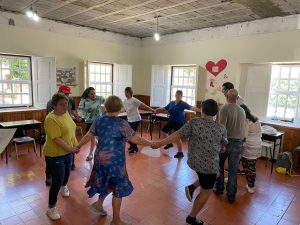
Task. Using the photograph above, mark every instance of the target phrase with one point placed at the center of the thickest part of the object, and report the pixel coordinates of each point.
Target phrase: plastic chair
(268, 146)
(22, 140)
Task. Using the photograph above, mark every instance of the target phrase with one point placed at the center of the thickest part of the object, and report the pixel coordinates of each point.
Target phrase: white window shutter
(160, 86)
(122, 78)
(44, 80)
(257, 88)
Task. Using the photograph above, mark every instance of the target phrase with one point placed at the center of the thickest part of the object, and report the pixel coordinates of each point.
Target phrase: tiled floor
(158, 198)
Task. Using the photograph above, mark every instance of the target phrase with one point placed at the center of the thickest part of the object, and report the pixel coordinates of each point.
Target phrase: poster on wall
(66, 76)
(217, 76)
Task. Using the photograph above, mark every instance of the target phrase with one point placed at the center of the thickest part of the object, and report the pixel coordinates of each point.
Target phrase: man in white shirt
(228, 86)
(131, 106)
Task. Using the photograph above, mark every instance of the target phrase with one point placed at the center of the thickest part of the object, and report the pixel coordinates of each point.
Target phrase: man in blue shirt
(176, 119)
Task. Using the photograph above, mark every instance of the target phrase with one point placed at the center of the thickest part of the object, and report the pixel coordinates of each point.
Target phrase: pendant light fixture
(156, 34)
(33, 14)
(29, 13)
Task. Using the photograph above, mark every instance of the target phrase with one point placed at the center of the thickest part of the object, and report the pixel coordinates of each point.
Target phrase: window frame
(30, 82)
(180, 87)
(95, 83)
(285, 93)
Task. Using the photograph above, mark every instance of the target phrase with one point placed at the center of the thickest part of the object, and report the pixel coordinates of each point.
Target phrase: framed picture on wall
(66, 76)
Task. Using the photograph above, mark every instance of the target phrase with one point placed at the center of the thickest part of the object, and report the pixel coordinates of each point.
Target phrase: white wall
(269, 40)
(68, 44)
(273, 47)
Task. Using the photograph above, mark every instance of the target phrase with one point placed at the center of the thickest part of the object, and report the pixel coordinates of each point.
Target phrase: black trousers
(134, 126)
(48, 173)
(60, 168)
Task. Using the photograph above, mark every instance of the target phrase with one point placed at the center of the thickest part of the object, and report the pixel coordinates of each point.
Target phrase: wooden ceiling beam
(185, 12)
(58, 7)
(118, 11)
(88, 9)
(153, 11)
(29, 5)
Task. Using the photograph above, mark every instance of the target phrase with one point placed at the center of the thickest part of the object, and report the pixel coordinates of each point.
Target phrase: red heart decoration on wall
(216, 68)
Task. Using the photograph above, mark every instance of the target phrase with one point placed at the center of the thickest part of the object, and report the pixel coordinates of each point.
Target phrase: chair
(268, 146)
(22, 140)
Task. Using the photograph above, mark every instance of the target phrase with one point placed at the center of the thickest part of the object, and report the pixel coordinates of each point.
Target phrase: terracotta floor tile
(14, 220)
(158, 197)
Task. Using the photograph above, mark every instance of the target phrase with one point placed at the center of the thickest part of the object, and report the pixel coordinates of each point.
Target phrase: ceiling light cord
(156, 35)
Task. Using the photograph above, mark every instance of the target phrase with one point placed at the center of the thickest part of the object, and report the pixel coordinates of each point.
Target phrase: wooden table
(158, 117)
(142, 113)
(273, 138)
(24, 125)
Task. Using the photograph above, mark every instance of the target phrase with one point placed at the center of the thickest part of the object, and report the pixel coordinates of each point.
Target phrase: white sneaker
(225, 179)
(53, 213)
(250, 189)
(65, 191)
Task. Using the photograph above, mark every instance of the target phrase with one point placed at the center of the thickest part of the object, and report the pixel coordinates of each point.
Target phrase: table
(273, 138)
(123, 115)
(24, 125)
(158, 117)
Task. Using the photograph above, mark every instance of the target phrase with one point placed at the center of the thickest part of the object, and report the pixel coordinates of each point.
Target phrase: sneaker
(250, 189)
(89, 157)
(179, 155)
(189, 191)
(168, 146)
(133, 151)
(53, 213)
(194, 221)
(225, 179)
(95, 208)
(122, 223)
(65, 191)
(48, 181)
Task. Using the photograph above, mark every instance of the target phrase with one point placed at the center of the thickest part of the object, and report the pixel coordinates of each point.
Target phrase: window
(284, 92)
(100, 76)
(15, 81)
(184, 78)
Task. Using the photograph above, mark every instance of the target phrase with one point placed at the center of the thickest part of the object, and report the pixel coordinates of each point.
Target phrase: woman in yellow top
(60, 143)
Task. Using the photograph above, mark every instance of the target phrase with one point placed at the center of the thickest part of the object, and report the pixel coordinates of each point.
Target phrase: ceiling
(138, 17)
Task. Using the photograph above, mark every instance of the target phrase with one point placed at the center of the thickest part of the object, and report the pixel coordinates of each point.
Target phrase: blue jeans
(233, 152)
(60, 168)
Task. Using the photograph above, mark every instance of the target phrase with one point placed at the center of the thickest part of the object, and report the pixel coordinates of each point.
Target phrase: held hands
(75, 149)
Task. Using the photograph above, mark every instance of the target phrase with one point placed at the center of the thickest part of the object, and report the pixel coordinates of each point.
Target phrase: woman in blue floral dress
(109, 174)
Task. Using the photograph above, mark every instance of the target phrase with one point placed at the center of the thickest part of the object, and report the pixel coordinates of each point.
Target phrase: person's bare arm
(161, 110)
(170, 139)
(86, 138)
(143, 105)
(193, 108)
(61, 143)
(136, 139)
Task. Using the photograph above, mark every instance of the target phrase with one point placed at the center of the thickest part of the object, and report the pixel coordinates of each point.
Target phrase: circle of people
(231, 133)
